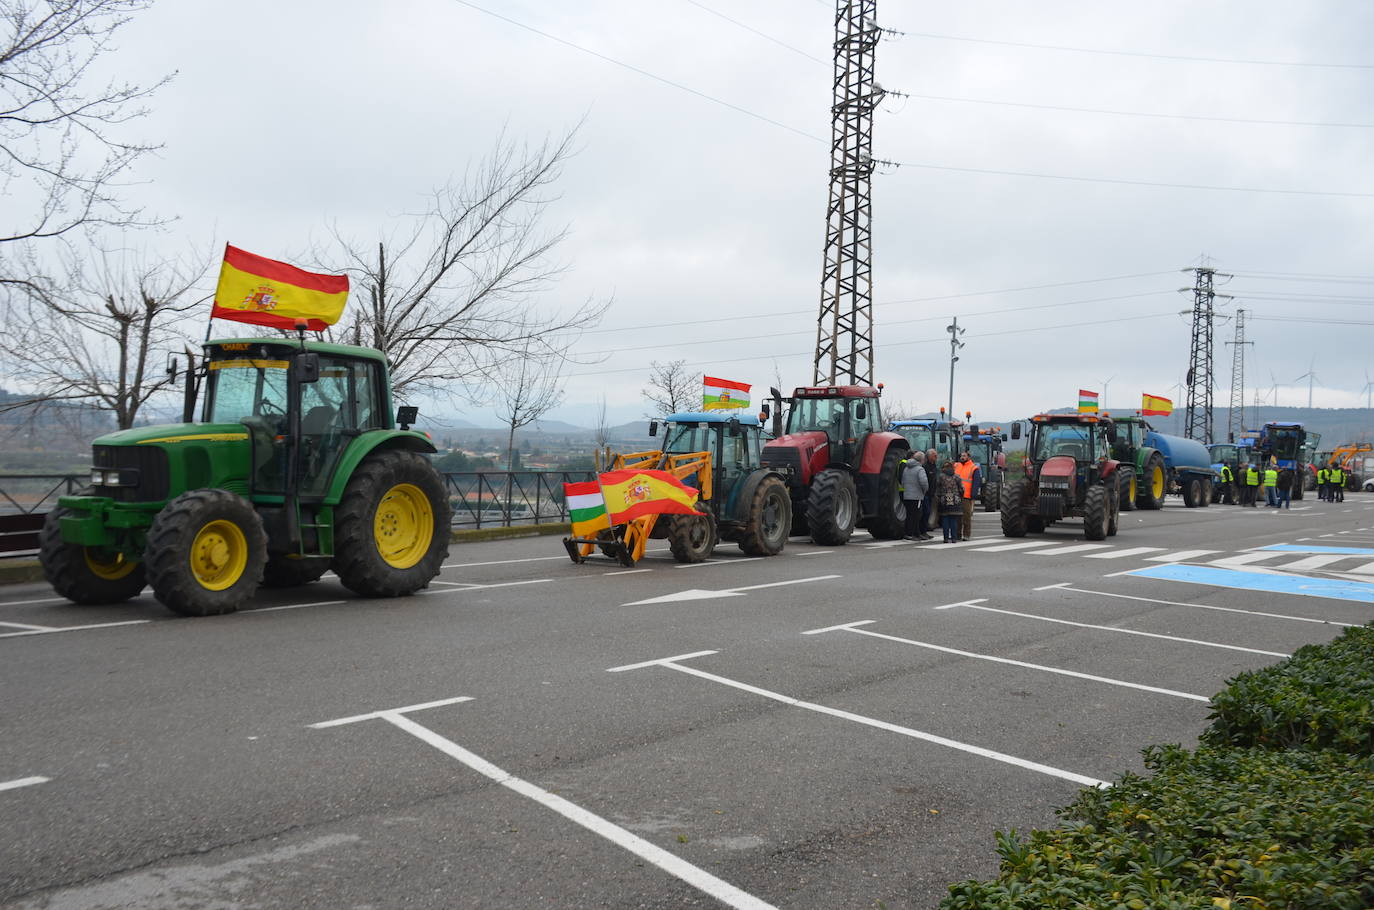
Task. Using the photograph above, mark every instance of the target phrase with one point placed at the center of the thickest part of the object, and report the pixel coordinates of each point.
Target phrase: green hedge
(1228, 828)
(1320, 698)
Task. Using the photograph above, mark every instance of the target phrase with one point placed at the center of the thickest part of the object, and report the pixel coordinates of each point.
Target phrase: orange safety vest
(964, 470)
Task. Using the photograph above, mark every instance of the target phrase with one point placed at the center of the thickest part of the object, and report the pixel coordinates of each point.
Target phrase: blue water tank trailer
(1188, 466)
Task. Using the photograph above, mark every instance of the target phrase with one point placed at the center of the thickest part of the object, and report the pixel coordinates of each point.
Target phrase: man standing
(1227, 493)
(1285, 488)
(1337, 477)
(1321, 483)
(915, 491)
(1252, 479)
(971, 479)
(1271, 481)
(928, 504)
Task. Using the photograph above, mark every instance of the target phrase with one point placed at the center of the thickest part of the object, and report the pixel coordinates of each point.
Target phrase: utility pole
(954, 345)
(1235, 417)
(1201, 382)
(844, 329)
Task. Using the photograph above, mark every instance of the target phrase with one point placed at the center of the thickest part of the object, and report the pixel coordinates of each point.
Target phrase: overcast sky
(287, 116)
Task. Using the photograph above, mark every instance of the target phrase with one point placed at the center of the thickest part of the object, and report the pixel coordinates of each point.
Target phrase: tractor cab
(1070, 473)
(733, 440)
(844, 414)
(946, 437)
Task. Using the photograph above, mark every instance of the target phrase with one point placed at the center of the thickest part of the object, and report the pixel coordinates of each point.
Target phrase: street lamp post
(954, 345)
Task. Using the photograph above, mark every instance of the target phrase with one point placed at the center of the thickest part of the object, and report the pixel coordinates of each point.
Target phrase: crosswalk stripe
(1311, 562)
(1117, 554)
(1002, 548)
(1181, 555)
(1366, 569)
(1077, 548)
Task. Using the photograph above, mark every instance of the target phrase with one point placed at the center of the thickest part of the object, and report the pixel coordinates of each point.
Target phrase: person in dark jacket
(928, 505)
(1285, 488)
(914, 487)
(949, 498)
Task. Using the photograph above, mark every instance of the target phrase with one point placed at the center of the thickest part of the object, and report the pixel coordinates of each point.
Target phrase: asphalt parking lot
(832, 727)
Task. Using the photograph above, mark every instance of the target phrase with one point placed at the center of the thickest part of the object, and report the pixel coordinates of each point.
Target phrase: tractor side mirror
(653, 428)
(1111, 433)
(305, 368)
(861, 411)
(733, 426)
(764, 412)
(1016, 430)
(1004, 437)
(405, 415)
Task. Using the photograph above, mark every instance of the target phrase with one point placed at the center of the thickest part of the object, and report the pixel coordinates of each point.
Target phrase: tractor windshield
(1286, 442)
(980, 452)
(689, 437)
(922, 439)
(824, 414)
(1074, 440)
(245, 387)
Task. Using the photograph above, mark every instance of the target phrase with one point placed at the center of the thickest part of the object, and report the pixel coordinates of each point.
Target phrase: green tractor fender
(1142, 458)
(365, 445)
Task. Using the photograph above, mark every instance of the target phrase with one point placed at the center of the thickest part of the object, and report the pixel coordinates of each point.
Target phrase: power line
(763, 35)
(1101, 51)
(1305, 276)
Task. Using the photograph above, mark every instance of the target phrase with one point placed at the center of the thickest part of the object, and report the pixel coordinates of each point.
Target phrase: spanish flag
(271, 293)
(1155, 406)
(634, 494)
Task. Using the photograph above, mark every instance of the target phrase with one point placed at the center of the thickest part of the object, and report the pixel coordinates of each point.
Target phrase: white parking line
(671, 664)
(1118, 554)
(698, 878)
(56, 629)
(1180, 556)
(1086, 625)
(718, 562)
(24, 625)
(853, 627)
(22, 782)
(1311, 562)
(1076, 548)
(1176, 603)
(41, 600)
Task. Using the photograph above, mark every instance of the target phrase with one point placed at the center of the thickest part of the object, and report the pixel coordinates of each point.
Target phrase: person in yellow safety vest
(970, 478)
(1271, 480)
(1227, 493)
(1321, 482)
(1252, 479)
(1337, 483)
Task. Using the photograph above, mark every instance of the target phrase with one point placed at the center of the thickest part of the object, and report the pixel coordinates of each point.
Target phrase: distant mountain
(557, 426)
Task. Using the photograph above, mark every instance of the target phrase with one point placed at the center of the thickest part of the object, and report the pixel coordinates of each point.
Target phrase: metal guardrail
(493, 499)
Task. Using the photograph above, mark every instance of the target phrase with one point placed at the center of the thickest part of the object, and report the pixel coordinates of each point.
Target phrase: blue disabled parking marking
(1299, 548)
(1332, 588)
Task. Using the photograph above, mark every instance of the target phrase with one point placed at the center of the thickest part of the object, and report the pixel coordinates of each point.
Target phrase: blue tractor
(946, 437)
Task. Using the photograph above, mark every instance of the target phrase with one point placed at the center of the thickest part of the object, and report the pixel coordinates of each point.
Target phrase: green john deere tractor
(295, 467)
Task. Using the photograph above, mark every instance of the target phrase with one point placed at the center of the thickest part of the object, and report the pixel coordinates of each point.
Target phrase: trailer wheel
(1192, 492)
(1096, 513)
(288, 572)
(85, 575)
(1151, 494)
(770, 518)
(1014, 510)
(887, 522)
(391, 530)
(832, 507)
(691, 538)
(206, 552)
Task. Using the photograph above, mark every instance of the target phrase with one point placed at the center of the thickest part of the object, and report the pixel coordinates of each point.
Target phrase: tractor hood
(804, 453)
(1059, 466)
(175, 433)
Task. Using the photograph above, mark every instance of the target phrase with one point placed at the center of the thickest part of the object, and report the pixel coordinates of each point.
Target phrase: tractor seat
(318, 420)
(1075, 450)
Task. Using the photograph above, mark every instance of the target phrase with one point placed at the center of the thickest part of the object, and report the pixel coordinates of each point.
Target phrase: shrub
(1320, 698)
(1216, 828)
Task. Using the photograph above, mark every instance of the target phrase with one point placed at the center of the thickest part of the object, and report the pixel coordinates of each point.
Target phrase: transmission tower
(1201, 381)
(1235, 418)
(844, 330)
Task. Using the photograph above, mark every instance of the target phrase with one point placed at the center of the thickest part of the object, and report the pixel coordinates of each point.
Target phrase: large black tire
(770, 518)
(385, 505)
(1206, 494)
(85, 575)
(832, 507)
(1192, 492)
(1114, 508)
(1297, 488)
(1014, 509)
(1155, 482)
(691, 538)
(1096, 513)
(285, 572)
(799, 526)
(206, 552)
(992, 496)
(1128, 489)
(888, 521)
(1035, 524)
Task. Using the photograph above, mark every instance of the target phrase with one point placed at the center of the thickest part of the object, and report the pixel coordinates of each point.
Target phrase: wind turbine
(1273, 392)
(1311, 377)
(1106, 382)
(1368, 390)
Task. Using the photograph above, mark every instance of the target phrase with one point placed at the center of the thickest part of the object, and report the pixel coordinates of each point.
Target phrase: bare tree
(60, 152)
(99, 334)
(899, 409)
(672, 387)
(452, 298)
(529, 386)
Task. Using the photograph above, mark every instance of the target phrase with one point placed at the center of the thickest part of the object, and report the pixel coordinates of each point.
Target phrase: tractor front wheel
(1151, 495)
(770, 518)
(392, 529)
(1014, 509)
(1129, 492)
(992, 496)
(1096, 513)
(85, 575)
(1114, 509)
(206, 553)
(832, 507)
(288, 572)
(888, 521)
(691, 538)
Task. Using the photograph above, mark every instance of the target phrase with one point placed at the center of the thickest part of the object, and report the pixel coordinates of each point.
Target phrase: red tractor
(1069, 474)
(842, 465)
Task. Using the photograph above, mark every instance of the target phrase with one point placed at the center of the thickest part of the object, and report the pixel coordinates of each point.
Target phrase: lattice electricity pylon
(1235, 418)
(844, 329)
(1201, 382)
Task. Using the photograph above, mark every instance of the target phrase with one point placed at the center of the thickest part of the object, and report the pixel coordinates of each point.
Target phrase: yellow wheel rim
(404, 526)
(219, 555)
(1157, 482)
(1130, 492)
(112, 569)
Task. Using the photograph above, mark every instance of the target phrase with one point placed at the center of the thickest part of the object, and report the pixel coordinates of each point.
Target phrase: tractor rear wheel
(832, 507)
(770, 518)
(691, 538)
(206, 553)
(1114, 510)
(887, 523)
(1035, 524)
(992, 496)
(1014, 510)
(1192, 492)
(1128, 494)
(1096, 513)
(391, 529)
(288, 572)
(85, 575)
(1151, 495)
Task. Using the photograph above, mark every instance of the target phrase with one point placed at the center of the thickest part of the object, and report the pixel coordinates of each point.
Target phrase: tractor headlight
(114, 477)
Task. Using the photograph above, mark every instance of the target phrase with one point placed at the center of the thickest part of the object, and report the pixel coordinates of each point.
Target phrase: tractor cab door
(343, 404)
(734, 462)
